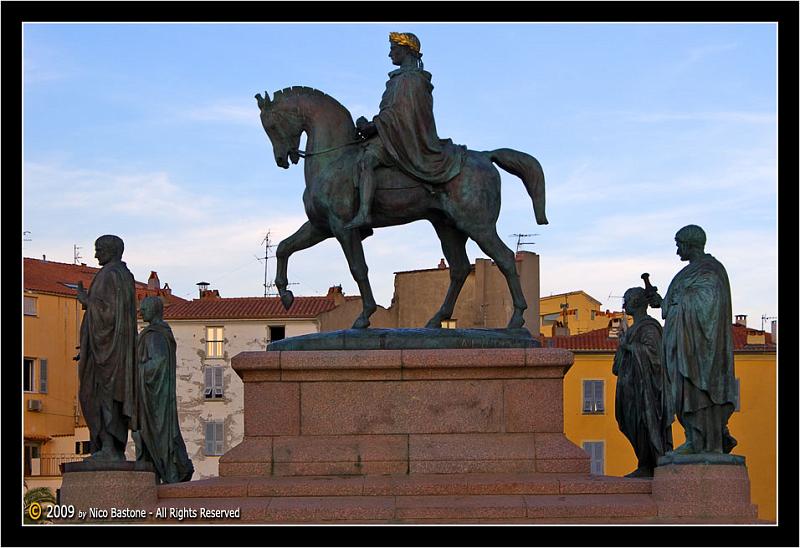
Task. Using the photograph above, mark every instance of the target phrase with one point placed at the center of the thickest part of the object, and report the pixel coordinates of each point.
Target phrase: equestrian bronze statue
(392, 171)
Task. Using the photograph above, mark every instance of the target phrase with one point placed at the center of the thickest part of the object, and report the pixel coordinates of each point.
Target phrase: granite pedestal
(108, 492)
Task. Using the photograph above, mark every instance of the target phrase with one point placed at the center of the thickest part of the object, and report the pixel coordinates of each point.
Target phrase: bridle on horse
(304, 154)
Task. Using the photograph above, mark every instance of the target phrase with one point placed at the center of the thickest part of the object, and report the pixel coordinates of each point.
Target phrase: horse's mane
(295, 91)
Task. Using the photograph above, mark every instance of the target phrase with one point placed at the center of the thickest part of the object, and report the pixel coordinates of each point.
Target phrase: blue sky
(151, 132)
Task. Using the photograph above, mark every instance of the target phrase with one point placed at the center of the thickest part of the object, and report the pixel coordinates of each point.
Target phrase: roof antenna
(520, 242)
(75, 255)
(268, 286)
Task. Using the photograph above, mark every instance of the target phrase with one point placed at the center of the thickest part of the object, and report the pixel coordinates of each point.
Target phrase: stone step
(405, 485)
(607, 508)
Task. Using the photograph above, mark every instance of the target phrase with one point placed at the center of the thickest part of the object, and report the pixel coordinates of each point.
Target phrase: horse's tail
(527, 168)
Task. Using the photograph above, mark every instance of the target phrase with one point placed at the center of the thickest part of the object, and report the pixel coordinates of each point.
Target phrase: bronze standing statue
(403, 172)
(107, 362)
(159, 438)
(698, 346)
(640, 405)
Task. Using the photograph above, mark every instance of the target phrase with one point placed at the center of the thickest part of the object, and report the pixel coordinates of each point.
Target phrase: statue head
(634, 299)
(152, 308)
(691, 241)
(108, 248)
(404, 45)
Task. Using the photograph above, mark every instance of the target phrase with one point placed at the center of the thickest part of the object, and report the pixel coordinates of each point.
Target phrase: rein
(304, 154)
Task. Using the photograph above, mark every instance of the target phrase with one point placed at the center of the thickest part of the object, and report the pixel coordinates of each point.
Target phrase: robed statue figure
(159, 438)
(641, 405)
(698, 346)
(107, 362)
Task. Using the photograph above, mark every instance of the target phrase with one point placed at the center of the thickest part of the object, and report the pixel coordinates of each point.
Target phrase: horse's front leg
(350, 240)
(306, 236)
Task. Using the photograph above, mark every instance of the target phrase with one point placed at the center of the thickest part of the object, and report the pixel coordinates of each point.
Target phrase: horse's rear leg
(453, 247)
(350, 241)
(306, 236)
(493, 246)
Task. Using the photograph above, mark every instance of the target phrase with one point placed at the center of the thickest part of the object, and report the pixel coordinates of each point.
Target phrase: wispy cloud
(224, 112)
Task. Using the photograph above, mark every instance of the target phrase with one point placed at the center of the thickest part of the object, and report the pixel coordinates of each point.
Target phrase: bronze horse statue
(467, 206)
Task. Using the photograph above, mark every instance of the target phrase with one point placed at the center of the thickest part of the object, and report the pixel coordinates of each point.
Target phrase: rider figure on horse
(405, 129)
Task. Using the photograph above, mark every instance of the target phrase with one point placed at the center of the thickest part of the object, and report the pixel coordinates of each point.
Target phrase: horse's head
(283, 127)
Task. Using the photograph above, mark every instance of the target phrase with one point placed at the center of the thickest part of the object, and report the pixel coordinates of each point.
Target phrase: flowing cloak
(641, 400)
(408, 131)
(698, 338)
(107, 365)
(159, 428)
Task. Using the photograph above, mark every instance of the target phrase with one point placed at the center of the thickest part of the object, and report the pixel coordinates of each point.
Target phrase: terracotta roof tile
(51, 277)
(599, 340)
(225, 308)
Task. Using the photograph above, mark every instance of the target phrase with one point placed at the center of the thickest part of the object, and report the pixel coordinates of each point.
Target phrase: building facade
(211, 330)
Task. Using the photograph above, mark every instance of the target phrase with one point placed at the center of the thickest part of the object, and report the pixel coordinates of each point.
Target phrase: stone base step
(405, 485)
(435, 498)
(416, 509)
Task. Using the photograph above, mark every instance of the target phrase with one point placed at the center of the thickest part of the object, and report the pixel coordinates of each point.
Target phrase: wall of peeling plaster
(194, 410)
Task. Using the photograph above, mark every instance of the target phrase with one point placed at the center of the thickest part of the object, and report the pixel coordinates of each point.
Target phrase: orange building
(589, 420)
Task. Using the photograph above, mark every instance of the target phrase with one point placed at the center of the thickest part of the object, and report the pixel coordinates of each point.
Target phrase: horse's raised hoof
(361, 323)
(287, 298)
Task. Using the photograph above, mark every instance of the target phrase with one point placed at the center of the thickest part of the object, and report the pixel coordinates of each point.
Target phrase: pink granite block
(107, 489)
(259, 375)
(549, 357)
(583, 506)
(462, 447)
(362, 360)
(252, 361)
(557, 446)
(713, 511)
(464, 358)
(339, 468)
(461, 507)
(533, 405)
(323, 509)
(581, 484)
(206, 488)
(472, 466)
(341, 448)
(233, 469)
(251, 449)
(271, 408)
(313, 375)
(393, 407)
(563, 466)
(453, 373)
(306, 486)
(461, 484)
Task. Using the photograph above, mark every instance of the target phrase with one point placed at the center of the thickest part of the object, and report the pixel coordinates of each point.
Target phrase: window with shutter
(218, 382)
(595, 450)
(599, 404)
(593, 397)
(28, 379)
(587, 396)
(30, 306)
(210, 438)
(43, 376)
(218, 438)
(209, 383)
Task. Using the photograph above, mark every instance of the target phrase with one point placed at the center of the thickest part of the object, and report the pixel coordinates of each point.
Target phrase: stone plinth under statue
(96, 487)
(416, 436)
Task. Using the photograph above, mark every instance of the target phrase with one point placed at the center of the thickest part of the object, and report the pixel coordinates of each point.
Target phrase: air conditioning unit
(34, 405)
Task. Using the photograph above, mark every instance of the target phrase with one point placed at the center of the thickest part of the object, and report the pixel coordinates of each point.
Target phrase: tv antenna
(267, 243)
(75, 255)
(26, 233)
(764, 318)
(520, 242)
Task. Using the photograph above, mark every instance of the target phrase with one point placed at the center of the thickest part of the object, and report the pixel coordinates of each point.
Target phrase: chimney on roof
(44, 257)
(442, 264)
(203, 286)
(774, 331)
(741, 319)
(153, 282)
(209, 294)
(335, 292)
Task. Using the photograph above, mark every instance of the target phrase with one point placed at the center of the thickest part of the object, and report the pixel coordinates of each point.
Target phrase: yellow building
(589, 420)
(574, 313)
(53, 428)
